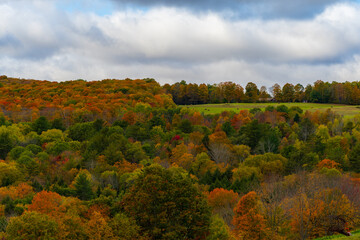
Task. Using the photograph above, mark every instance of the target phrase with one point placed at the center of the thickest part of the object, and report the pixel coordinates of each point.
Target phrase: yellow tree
(181, 157)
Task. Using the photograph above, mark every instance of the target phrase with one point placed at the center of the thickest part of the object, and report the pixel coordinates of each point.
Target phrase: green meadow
(355, 236)
(345, 110)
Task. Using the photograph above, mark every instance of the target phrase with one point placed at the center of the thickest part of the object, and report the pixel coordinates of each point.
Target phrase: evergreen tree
(6, 143)
(83, 187)
(41, 124)
(354, 158)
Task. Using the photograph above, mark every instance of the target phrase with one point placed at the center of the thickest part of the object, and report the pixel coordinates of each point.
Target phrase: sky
(199, 41)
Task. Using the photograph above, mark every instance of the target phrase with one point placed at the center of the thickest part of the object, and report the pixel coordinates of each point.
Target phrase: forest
(120, 159)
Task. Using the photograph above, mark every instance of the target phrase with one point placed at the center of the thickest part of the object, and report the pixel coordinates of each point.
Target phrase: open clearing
(355, 236)
(345, 110)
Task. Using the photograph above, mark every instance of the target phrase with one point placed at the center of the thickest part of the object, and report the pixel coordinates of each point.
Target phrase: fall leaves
(108, 99)
(117, 160)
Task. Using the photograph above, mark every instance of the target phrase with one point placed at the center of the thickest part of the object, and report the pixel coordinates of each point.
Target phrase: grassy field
(345, 110)
(355, 236)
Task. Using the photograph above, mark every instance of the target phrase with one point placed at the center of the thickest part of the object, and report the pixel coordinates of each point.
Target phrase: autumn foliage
(249, 220)
(117, 159)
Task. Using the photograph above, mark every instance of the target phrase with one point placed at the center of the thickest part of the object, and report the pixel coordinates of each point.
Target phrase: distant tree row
(229, 92)
(225, 92)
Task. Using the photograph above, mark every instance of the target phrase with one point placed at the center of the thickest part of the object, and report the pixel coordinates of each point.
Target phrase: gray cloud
(243, 8)
(170, 44)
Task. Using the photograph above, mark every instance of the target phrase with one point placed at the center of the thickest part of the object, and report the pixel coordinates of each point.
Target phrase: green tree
(252, 92)
(41, 124)
(288, 92)
(83, 187)
(32, 225)
(251, 133)
(228, 128)
(16, 152)
(82, 131)
(7, 142)
(218, 229)
(124, 227)
(58, 124)
(354, 158)
(186, 126)
(166, 205)
(268, 163)
(9, 174)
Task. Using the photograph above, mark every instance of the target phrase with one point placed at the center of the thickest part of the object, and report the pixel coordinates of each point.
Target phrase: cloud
(242, 8)
(178, 36)
(40, 41)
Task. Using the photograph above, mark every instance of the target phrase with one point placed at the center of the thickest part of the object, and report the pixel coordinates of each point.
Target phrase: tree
(307, 93)
(268, 163)
(166, 205)
(218, 229)
(83, 187)
(7, 141)
(354, 158)
(252, 92)
(192, 93)
(81, 131)
(52, 135)
(186, 126)
(276, 92)
(288, 92)
(327, 163)
(46, 203)
(223, 202)
(181, 157)
(41, 124)
(241, 152)
(299, 92)
(270, 141)
(203, 93)
(240, 119)
(251, 134)
(57, 123)
(228, 90)
(328, 211)
(124, 227)
(32, 225)
(263, 93)
(9, 174)
(249, 220)
(98, 228)
(307, 128)
(228, 128)
(219, 146)
(202, 164)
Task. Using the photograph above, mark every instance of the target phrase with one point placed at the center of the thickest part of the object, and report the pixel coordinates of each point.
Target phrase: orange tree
(249, 220)
(166, 205)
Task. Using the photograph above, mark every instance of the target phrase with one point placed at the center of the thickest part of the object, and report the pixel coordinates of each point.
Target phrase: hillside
(25, 100)
(117, 159)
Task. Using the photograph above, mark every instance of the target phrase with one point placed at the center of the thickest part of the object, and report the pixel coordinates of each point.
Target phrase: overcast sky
(210, 41)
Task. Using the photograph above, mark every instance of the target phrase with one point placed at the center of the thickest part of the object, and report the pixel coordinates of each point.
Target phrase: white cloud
(39, 41)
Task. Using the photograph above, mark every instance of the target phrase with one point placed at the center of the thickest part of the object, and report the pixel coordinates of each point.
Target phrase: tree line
(229, 92)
